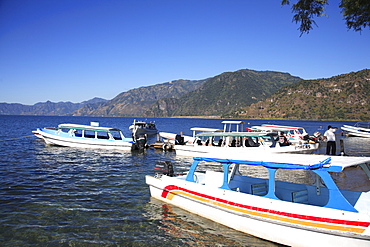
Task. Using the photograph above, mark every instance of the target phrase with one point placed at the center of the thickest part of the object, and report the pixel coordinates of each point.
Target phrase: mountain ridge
(240, 94)
(47, 108)
(227, 92)
(342, 97)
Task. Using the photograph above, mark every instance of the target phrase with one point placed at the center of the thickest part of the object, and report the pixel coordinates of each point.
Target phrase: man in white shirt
(329, 135)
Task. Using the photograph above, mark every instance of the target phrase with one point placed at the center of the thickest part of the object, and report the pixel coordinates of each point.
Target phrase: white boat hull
(353, 131)
(212, 151)
(80, 142)
(172, 137)
(278, 221)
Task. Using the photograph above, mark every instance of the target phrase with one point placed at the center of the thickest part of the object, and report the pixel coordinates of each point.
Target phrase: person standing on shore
(329, 136)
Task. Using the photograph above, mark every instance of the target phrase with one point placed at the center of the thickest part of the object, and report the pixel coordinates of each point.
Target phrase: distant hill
(224, 94)
(136, 101)
(45, 108)
(337, 98)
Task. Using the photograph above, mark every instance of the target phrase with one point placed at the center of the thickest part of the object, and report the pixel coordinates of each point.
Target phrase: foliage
(228, 92)
(337, 98)
(355, 12)
(135, 102)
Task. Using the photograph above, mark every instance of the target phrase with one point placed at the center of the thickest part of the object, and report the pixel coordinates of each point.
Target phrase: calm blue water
(79, 197)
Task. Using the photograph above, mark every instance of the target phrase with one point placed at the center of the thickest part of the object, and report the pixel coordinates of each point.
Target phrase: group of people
(329, 137)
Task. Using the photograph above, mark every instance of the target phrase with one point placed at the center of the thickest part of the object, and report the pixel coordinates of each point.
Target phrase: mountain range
(240, 94)
(47, 108)
(223, 94)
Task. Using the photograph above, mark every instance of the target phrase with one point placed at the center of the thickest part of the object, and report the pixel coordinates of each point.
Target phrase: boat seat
(259, 189)
(300, 196)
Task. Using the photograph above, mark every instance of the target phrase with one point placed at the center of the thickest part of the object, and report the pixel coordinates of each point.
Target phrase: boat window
(64, 130)
(89, 134)
(116, 135)
(102, 135)
(352, 178)
(78, 133)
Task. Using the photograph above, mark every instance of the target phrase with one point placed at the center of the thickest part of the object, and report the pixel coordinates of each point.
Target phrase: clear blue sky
(74, 50)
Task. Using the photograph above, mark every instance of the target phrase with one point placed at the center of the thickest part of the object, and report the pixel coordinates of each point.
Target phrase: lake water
(58, 196)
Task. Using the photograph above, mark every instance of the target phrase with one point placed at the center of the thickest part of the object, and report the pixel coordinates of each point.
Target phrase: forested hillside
(224, 94)
(136, 101)
(240, 94)
(340, 97)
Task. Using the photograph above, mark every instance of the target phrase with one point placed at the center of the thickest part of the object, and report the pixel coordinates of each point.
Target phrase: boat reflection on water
(192, 230)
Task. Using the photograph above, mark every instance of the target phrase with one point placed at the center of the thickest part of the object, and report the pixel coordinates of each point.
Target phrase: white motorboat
(233, 143)
(293, 134)
(141, 128)
(173, 138)
(333, 210)
(181, 139)
(360, 129)
(231, 140)
(86, 136)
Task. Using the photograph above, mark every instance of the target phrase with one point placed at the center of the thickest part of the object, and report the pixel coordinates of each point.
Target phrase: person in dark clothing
(283, 141)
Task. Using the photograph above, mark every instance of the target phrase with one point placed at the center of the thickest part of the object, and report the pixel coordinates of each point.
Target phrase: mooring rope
(10, 139)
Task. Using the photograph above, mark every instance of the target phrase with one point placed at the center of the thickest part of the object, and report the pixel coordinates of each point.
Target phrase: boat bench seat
(259, 189)
(300, 196)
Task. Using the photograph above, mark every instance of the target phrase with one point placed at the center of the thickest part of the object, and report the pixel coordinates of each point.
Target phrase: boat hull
(172, 137)
(353, 131)
(211, 151)
(277, 221)
(80, 142)
(143, 131)
(143, 128)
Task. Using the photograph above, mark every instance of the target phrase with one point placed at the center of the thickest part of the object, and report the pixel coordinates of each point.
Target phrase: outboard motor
(164, 168)
(306, 137)
(317, 137)
(140, 142)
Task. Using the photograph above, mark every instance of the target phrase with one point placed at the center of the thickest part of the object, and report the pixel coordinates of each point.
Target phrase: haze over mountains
(47, 108)
(243, 94)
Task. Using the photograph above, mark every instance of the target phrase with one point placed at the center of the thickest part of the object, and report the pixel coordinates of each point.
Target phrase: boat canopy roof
(294, 161)
(276, 127)
(232, 122)
(233, 134)
(142, 123)
(86, 127)
(205, 129)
